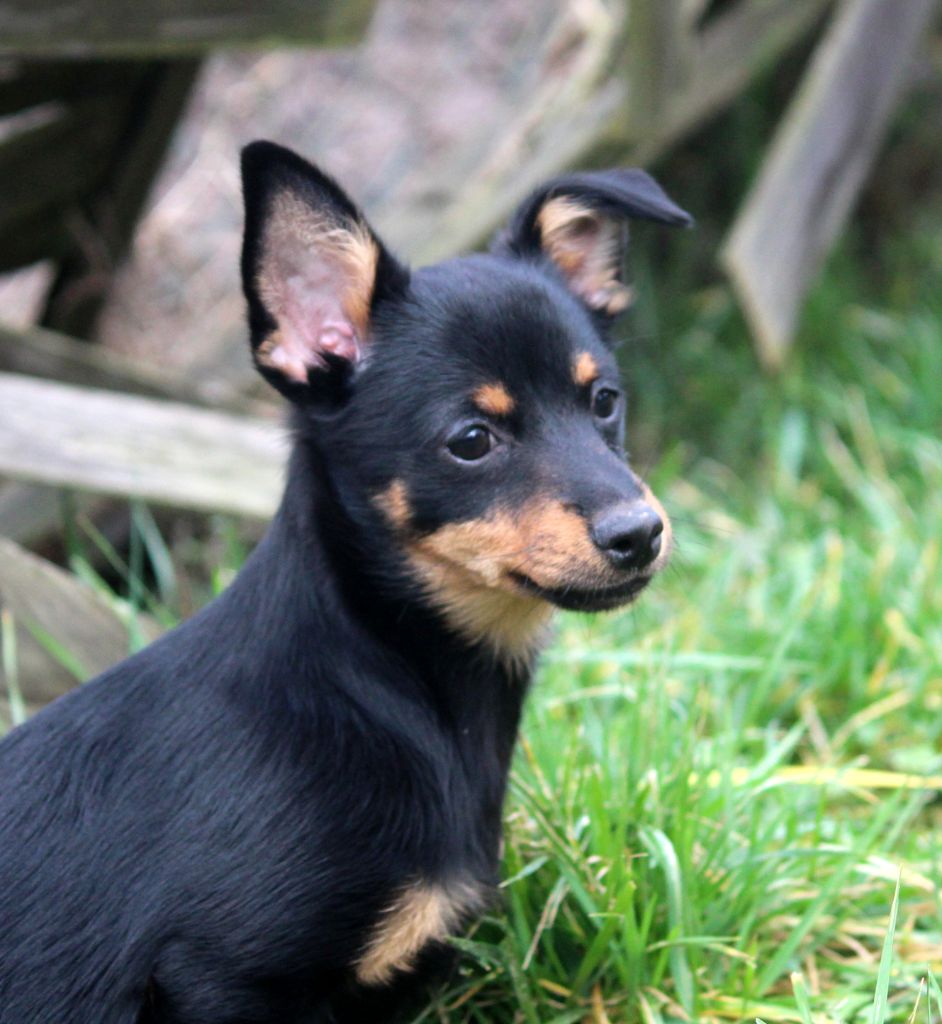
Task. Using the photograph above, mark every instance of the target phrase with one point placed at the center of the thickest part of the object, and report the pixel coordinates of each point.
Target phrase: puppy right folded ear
(312, 272)
(579, 222)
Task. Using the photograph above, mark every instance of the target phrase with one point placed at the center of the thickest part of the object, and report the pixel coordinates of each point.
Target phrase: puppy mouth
(585, 599)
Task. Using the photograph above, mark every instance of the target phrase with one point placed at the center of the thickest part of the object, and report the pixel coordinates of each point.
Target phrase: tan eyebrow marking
(585, 369)
(494, 399)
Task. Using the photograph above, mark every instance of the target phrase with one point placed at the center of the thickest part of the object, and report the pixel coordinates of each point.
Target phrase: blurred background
(784, 371)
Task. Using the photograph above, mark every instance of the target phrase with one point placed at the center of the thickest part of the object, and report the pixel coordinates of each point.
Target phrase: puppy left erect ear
(312, 271)
(580, 222)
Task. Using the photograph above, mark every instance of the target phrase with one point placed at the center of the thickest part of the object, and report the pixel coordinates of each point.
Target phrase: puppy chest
(420, 914)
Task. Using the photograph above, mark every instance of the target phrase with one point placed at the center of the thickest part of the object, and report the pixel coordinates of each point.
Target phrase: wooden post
(172, 28)
(818, 161)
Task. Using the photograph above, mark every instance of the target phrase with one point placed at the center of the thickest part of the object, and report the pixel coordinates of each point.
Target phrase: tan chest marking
(421, 914)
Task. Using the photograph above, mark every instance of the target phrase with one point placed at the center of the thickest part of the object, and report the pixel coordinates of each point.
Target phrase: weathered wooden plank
(818, 161)
(164, 452)
(46, 602)
(671, 74)
(30, 513)
(86, 28)
(721, 59)
(659, 42)
(54, 356)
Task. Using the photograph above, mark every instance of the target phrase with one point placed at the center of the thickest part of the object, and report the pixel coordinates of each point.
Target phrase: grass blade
(10, 672)
(662, 850)
(886, 962)
(801, 997)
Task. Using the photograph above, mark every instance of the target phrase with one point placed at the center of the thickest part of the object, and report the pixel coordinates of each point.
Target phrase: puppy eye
(472, 443)
(604, 403)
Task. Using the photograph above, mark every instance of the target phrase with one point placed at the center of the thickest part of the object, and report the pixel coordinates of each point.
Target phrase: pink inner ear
(311, 318)
(586, 247)
(306, 302)
(315, 279)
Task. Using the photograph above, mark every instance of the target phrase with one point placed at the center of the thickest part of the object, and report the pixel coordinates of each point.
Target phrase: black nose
(628, 535)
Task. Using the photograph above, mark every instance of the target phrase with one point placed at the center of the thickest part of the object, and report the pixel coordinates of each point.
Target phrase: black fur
(208, 832)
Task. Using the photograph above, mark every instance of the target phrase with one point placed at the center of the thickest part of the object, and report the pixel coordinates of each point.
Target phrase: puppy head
(469, 414)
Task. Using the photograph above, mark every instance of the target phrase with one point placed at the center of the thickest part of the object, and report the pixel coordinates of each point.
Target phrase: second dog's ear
(580, 221)
(312, 270)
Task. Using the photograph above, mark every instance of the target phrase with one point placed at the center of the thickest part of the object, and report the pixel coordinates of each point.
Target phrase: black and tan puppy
(281, 809)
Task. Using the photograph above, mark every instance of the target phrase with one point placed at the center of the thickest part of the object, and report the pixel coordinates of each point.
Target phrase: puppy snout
(628, 535)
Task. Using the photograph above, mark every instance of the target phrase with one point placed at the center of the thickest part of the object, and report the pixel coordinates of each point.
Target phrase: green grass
(674, 850)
